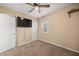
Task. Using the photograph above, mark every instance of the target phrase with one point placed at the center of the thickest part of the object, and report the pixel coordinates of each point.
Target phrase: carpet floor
(38, 48)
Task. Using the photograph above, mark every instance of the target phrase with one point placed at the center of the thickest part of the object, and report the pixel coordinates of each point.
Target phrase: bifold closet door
(7, 32)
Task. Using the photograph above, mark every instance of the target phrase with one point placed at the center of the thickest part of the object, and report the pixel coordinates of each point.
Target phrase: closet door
(7, 32)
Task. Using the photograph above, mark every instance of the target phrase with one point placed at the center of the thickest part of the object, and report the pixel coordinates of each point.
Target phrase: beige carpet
(38, 48)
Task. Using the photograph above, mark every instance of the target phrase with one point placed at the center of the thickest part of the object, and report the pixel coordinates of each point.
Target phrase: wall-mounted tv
(24, 22)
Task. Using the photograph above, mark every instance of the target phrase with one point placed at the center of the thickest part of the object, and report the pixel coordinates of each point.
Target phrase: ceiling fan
(37, 6)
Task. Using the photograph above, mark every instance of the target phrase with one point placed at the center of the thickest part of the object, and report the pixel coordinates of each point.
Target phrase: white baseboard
(61, 46)
(25, 42)
(19, 45)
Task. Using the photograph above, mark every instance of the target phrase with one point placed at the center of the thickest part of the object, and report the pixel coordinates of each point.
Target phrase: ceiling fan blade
(31, 10)
(39, 10)
(44, 6)
(29, 4)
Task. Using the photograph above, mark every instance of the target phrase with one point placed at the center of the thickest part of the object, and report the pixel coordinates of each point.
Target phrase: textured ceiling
(24, 8)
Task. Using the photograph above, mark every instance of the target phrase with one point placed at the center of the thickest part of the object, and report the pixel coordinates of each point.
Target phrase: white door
(7, 32)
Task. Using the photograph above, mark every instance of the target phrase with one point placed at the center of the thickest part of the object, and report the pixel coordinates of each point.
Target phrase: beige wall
(20, 31)
(63, 31)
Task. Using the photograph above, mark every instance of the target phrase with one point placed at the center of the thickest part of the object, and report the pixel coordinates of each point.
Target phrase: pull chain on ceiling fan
(37, 6)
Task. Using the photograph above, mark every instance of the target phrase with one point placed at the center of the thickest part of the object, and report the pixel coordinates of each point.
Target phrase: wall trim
(25, 43)
(61, 46)
(18, 45)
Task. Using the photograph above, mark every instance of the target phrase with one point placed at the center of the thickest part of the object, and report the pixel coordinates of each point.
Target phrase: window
(44, 26)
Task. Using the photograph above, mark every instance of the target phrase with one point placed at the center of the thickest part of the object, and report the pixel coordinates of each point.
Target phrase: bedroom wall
(62, 30)
(20, 31)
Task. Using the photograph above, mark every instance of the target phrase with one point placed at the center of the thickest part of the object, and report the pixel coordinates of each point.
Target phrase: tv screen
(24, 22)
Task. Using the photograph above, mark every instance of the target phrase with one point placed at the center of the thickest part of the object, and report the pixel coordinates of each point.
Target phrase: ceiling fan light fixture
(36, 8)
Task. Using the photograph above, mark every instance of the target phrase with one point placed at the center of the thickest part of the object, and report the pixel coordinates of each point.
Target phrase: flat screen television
(24, 22)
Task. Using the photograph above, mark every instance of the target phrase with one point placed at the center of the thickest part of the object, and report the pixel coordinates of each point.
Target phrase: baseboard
(61, 46)
(25, 42)
(19, 45)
